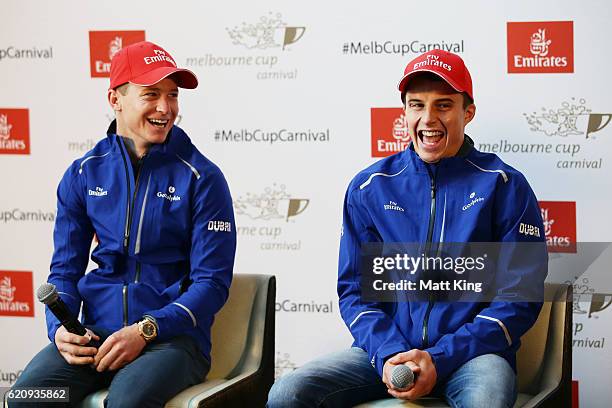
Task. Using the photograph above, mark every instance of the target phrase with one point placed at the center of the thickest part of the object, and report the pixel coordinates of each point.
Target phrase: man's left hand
(427, 375)
(119, 349)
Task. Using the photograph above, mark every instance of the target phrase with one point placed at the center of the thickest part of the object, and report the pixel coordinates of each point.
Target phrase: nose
(163, 105)
(429, 116)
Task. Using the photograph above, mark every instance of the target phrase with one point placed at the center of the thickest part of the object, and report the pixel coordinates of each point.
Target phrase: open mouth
(430, 138)
(160, 123)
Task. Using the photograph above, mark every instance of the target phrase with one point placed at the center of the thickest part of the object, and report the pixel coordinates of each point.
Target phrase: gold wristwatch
(147, 329)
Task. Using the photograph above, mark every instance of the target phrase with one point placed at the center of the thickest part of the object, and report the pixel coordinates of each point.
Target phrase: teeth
(431, 137)
(158, 122)
(431, 133)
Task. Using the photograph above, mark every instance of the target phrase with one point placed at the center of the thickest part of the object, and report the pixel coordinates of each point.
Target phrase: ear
(114, 100)
(470, 112)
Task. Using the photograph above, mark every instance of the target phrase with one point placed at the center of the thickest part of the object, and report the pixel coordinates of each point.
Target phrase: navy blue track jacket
(472, 197)
(166, 238)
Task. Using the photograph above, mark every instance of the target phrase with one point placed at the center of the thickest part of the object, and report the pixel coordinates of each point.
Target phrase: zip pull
(433, 189)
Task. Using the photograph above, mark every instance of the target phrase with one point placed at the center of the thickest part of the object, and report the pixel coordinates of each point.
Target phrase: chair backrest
(540, 359)
(233, 324)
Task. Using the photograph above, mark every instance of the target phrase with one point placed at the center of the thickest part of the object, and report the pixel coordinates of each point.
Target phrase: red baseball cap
(144, 63)
(446, 65)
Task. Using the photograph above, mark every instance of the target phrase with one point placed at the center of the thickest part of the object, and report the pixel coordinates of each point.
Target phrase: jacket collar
(171, 144)
(420, 166)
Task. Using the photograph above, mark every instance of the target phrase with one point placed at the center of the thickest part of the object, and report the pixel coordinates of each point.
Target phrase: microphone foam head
(46, 293)
(402, 376)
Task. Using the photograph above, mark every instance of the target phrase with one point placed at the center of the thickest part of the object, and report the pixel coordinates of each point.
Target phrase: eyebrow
(154, 88)
(437, 100)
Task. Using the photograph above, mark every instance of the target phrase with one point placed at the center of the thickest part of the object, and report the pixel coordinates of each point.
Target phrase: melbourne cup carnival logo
(269, 32)
(263, 47)
(265, 219)
(572, 118)
(273, 203)
(583, 293)
(283, 365)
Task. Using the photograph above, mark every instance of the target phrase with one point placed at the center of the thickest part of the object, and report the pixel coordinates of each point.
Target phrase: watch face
(148, 329)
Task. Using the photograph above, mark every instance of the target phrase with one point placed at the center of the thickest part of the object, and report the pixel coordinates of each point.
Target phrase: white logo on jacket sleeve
(528, 229)
(219, 226)
(98, 192)
(170, 197)
(473, 201)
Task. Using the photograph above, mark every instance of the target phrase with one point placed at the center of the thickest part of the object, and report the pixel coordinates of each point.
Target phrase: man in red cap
(439, 191)
(162, 217)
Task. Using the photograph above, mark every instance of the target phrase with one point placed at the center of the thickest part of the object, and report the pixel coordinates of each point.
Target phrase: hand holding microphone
(75, 343)
(410, 374)
(402, 377)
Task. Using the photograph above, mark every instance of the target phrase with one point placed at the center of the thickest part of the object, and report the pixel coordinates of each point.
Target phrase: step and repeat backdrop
(294, 99)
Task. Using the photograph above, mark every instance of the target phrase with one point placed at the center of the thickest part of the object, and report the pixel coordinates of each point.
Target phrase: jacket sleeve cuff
(442, 362)
(52, 330)
(386, 352)
(52, 323)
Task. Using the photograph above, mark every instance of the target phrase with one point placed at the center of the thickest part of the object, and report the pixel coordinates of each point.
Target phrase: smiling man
(443, 190)
(149, 197)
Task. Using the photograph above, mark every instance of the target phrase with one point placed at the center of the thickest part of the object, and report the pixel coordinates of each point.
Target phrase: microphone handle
(60, 310)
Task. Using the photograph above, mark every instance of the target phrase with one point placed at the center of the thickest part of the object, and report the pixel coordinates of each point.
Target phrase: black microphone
(47, 294)
(402, 377)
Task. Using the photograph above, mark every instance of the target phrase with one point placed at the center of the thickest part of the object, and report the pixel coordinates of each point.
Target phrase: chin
(156, 139)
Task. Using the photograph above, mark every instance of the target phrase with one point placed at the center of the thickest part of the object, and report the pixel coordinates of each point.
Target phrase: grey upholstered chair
(242, 370)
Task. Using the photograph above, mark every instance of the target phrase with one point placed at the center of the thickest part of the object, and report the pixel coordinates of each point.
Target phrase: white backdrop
(309, 69)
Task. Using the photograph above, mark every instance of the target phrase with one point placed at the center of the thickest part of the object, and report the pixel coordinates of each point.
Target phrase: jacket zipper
(133, 202)
(138, 171)
(126, 232)
(128, 225)
(125, 305)
(432, 217)
(137, 278)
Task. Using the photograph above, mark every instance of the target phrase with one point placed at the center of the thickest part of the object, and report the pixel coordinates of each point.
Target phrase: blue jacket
(434, 203)
(165, 237)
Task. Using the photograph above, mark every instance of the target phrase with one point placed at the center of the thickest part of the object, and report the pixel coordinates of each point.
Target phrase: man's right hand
(73, 347)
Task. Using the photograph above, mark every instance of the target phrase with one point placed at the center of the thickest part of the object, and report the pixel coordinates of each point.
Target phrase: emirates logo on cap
(160, 56)
(432, 61)
(104, 45)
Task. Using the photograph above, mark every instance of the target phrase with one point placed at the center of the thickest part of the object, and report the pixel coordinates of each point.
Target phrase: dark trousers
(159, 373)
